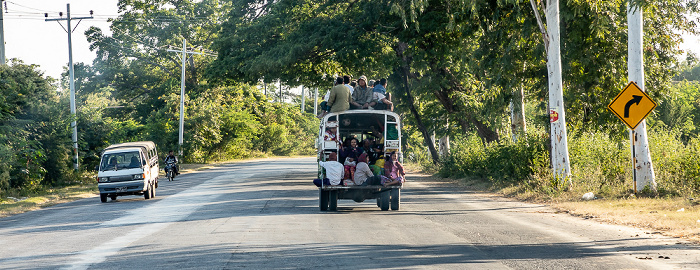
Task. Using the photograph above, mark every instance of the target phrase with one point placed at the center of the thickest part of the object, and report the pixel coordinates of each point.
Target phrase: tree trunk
(641, 156)
(465, 119)
(444, 142)
(405, 73)
(560, 148)
(193, 75)
(517, 113)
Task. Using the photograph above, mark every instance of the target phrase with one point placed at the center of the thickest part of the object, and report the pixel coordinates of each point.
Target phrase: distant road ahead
(264, 215)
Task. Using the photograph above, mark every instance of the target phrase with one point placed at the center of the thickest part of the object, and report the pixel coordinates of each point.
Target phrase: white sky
(35, 41)
(29, 38)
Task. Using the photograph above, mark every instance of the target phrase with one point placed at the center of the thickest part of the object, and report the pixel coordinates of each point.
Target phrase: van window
(119, 161)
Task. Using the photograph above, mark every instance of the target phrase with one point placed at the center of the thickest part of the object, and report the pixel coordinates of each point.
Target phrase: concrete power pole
(2, 35)
(73, 123)
(315, 100)
(641, 157)
(182, 94)
(560, 149)
(303, 99)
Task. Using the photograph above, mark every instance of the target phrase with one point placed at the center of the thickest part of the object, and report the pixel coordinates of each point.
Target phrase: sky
(35, 41)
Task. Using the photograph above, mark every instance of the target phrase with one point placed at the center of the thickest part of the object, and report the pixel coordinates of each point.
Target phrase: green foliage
(600, 163)
(680, 110)
(34, 137)
(499, 162)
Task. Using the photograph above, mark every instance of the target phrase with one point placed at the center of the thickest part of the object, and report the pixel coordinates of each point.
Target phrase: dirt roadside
(675, 217)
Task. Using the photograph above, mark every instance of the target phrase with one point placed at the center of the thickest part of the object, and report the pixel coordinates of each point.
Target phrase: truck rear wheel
(323, 199)
(147, 193)
(384, 201)
(153, 190)
(333, 201)
(395, 198)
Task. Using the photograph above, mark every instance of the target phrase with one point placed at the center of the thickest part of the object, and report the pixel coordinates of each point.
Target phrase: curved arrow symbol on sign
(635, 100)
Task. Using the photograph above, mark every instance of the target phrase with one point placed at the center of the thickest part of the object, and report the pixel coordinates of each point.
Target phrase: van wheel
(113, 196)
(323, 199)
(333, 201)
(103, 197)
(384, 201)
(153, 190)
(395, 198)
(147, 193)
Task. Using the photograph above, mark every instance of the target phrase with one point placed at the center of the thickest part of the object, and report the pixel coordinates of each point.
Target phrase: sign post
(632, 106)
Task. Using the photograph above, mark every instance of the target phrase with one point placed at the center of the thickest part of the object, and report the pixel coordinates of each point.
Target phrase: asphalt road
(264, 215)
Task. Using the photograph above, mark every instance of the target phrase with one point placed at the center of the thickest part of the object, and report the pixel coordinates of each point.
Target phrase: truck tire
(113, 196)
(153, 190)
(333, 201)
(384, 201)
(323, 199)
(147, 193)
(103, 197)
(395, 198)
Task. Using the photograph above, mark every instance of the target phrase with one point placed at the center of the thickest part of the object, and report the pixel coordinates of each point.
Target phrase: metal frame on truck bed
(361, 124)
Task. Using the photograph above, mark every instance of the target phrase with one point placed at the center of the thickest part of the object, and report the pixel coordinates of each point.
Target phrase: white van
(128, 169)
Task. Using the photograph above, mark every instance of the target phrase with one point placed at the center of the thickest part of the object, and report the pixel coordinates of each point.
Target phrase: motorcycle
(169, 171)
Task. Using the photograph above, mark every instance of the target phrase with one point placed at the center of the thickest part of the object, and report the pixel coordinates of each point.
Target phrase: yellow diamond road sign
(632, 105)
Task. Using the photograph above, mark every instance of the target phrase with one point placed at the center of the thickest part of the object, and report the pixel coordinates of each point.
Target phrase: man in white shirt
(334, 171)
(346, 82)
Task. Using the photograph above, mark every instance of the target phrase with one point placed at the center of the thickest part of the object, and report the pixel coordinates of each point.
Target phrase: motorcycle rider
(171, 158)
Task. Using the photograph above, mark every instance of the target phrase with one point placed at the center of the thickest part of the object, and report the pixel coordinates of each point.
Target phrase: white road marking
(155, 217)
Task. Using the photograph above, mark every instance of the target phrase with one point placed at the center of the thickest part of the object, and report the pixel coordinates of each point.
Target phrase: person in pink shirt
(393, 170)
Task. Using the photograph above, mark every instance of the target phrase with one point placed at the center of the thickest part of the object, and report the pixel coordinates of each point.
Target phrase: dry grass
(13, 206)
(677, 217)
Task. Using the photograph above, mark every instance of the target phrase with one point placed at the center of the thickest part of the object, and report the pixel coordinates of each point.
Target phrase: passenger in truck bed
(334, 171)
(393, 170)
(353, 150)
(363, 175)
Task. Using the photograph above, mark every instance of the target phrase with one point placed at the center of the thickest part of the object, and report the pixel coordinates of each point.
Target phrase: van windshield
(119, 161)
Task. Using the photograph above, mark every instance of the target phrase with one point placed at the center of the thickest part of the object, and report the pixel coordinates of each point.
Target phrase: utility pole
(315, 100)
(2, 34)
(71, 81)
(303, 99)
(641, 157)
(557, 119)
(182, 94)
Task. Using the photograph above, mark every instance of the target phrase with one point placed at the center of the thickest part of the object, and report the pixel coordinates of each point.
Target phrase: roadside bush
(599, 164)
(504, 162)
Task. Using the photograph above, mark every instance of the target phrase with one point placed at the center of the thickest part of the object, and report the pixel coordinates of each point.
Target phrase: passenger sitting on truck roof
(380, 99)
(334, 171)
(339, 100)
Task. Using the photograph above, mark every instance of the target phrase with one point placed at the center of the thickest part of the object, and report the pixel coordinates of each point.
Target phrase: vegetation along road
(264, 214)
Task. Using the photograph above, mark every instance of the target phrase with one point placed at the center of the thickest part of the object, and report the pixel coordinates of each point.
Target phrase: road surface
(264, 215)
